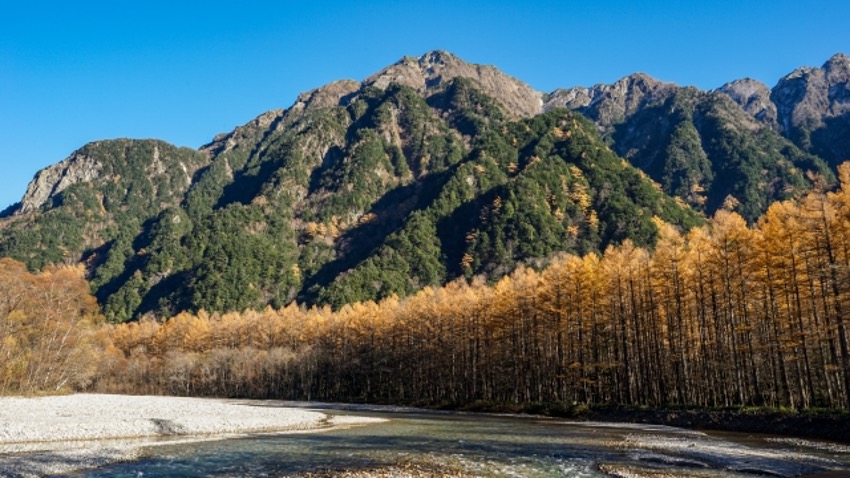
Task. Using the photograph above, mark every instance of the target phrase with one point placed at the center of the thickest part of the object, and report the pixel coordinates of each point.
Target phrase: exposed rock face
(332, 94)
(54, 179)
(808, 95)
(225, 142)
(610, 104)
(163, 171)
(754, 98)
(425, 74)
(813, 107)
(436, 68)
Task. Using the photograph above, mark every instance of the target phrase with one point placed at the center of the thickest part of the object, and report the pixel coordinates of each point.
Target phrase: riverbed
(426, 443)
(60, 434)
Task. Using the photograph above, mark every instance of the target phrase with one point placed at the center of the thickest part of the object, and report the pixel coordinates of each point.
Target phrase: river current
(488, 445)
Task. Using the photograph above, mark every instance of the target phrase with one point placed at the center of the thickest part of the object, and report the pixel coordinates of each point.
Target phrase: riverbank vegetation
(49, 329)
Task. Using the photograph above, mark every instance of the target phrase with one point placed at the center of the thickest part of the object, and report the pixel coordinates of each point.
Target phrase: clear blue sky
(70, 73)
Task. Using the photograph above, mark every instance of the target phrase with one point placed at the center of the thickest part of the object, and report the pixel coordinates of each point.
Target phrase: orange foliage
(47, 329)
(724, 315)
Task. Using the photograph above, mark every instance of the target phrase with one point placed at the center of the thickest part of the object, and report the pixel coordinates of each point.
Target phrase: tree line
(724, 315)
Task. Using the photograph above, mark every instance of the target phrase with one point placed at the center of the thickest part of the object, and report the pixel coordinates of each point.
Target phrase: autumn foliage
(724, 315)
(48, 334)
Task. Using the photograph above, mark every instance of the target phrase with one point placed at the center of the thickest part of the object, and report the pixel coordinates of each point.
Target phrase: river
(417, 443)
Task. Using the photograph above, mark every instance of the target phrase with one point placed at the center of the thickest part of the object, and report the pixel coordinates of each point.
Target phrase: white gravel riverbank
(44, 435)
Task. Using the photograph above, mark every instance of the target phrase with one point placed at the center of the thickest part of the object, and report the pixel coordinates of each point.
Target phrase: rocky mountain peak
(332, 94)
(839, 61)
(437, 58)
(754, 98)
(50, 181)
(639, 89)
(808, 96)
(640, 81)
(837, 77)
(609, 104)
(161, 170)
(433, 69)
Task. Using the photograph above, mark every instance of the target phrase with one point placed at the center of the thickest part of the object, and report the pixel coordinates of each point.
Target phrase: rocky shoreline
(59, 434)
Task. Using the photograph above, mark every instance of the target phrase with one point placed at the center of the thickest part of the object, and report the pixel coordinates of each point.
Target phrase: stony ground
(50, 435)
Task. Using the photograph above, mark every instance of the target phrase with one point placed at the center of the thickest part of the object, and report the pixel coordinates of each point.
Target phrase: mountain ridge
(622, 98)
(429, 170)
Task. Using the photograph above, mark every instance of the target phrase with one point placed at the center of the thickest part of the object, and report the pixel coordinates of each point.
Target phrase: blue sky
(183, 72)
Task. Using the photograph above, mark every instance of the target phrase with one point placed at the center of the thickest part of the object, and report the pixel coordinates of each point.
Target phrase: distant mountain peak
(837, 64)
(52, 180)
(747, 85)
(640, 78)
(423, 72)
(811, 101)
(608, 104)
(438, 57)
(838, 59)
(436, 68)
(754, 97)
(837, 69)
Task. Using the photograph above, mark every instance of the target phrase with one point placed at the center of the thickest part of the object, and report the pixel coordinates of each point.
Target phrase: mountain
(708, 148)
(435, 69)
(754, 98)
(100, 196)
(813, 106)
(429, 170)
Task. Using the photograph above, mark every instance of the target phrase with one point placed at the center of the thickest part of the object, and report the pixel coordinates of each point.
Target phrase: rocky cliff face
(809, 95)
(607, 105)
(435, 69)
(813, 107)
(333, 94)
(49, 182)
(754, 98)
(100, 195)
(426, 74)
(122, 161)
(225, 142)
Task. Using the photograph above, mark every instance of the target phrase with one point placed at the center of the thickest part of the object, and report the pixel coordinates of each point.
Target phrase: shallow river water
(487, 445)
